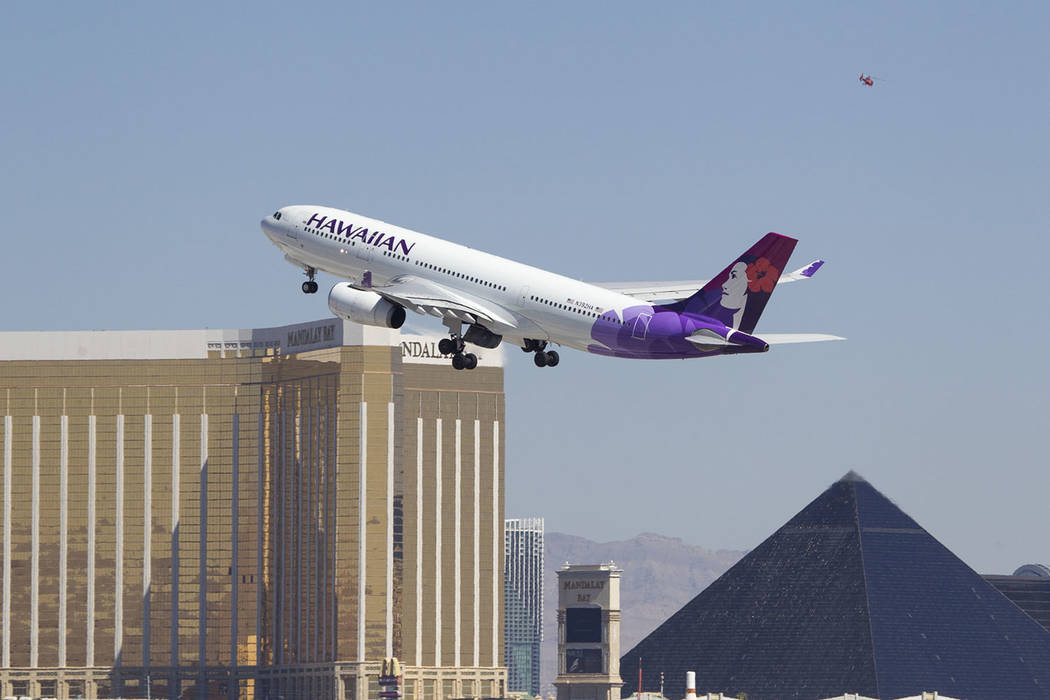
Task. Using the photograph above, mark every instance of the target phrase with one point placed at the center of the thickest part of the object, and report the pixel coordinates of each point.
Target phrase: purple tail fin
(738, 294)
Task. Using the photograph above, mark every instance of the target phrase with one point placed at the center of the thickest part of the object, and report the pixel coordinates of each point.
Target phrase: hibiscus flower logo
(761, 276)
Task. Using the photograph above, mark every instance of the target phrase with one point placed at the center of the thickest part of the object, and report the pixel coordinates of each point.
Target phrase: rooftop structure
(1029, 589)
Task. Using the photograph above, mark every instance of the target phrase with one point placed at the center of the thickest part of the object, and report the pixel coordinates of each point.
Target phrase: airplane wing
(674, 291)
(427, 297)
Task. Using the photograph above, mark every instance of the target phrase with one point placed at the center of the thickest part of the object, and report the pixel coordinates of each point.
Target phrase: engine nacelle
(482, 337)
(364, 307)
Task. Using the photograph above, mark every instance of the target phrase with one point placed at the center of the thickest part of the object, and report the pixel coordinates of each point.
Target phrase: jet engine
(482, 337)
(364, 307)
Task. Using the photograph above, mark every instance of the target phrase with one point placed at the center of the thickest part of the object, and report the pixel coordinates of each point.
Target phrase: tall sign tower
(589, 632)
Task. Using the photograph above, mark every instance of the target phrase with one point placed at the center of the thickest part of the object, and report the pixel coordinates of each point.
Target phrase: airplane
(484, 299)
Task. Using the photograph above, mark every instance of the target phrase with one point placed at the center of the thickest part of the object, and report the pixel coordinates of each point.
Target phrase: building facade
(523, 602)
(248, 513)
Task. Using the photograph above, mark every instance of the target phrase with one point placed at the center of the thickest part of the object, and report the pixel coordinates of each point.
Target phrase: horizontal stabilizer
(709, 340)
(785, 338)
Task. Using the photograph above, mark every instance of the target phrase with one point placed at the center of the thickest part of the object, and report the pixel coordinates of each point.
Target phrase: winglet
(810, 269)
(802, 273)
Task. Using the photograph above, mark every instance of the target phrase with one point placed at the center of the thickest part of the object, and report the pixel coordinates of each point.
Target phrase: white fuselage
(539, 304)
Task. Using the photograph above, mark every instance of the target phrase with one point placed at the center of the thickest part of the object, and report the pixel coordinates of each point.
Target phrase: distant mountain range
(660, 575)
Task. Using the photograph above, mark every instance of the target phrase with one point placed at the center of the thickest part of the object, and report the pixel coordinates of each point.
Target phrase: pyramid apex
(852, 476)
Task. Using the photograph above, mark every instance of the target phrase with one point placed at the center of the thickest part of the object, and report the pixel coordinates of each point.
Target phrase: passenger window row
(460, 275)
(436, 268)
(611, 318)
(330, 236)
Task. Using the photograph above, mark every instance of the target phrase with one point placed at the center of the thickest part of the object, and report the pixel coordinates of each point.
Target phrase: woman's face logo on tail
(747, 276)
(734, 290)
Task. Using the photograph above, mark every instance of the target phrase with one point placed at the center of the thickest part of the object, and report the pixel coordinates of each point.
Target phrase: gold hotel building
(249, 514)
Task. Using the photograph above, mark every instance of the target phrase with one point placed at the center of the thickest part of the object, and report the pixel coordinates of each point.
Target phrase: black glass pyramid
(850, 596)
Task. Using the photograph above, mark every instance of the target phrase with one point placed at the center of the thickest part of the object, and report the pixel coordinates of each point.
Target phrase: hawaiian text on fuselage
(350, 232)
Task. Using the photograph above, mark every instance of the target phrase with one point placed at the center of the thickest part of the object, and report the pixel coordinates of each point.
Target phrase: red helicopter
(868, 80)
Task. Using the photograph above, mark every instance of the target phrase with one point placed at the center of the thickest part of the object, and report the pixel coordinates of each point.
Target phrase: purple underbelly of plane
(657, 333)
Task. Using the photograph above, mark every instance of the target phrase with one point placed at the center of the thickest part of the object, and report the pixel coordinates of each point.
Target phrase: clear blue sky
(143, 142)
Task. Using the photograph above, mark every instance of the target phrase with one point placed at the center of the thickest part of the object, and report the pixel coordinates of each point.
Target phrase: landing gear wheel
(446, 346)
(540, 359)
(459, 361)
(552, 358)
(309, 286)
(470, 361)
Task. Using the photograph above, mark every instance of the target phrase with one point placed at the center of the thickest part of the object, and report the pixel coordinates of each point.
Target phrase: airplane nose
(267, 225)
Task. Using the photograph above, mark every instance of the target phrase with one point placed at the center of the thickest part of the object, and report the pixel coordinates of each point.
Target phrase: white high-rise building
(523, 603)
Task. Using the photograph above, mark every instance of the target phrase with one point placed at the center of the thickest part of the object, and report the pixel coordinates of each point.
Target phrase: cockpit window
(277, 215)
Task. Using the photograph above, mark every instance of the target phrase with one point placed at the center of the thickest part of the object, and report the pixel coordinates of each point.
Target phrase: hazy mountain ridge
(660, 575)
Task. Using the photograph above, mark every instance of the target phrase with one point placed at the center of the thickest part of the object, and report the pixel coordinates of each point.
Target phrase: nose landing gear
(310, 286)
(543, 357)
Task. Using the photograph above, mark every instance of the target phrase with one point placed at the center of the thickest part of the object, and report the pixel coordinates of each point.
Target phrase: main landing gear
(454, 346)
(310, 286)
(543, 357)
